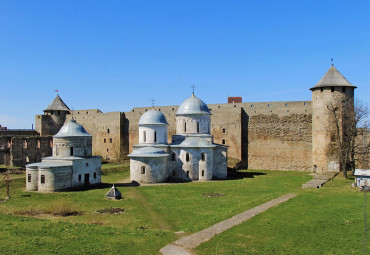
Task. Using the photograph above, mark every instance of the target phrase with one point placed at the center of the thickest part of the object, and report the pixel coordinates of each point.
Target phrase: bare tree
(346, 120)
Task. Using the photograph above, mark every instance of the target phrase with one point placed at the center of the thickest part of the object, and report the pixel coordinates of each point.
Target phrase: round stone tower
(72, 141)
(193, 117)
(153, 128)
(332, 109)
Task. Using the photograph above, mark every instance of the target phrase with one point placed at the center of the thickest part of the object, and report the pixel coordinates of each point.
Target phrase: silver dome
(72, 129)
(193, 105)
(153, 117)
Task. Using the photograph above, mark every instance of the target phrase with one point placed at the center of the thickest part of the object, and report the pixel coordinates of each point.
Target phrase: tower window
(71, 151)
(173, 157)
(110, 140)
(202, 172)
(144, 136)
(344, 89)
(187, 157)
(321, 89)
(108, 131)
(332, 89)
(143, 170)
(105, 140)
(197, 127)
(42, 178)
(223, 130)
(223, 141)
(155, 136)
(58, 112)
(185, 126)
(203, 156)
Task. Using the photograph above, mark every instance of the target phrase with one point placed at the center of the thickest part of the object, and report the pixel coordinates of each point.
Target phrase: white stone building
(192, 155)
(72, 164)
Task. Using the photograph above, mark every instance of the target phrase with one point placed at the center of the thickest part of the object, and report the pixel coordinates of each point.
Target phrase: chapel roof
(333, 78)
(149, 151)
(194, 142)
(57, 105)
(193, 105)
(72, 129)
(153, 117)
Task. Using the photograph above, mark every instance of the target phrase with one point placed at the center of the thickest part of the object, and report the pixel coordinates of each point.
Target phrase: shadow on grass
(233, 174)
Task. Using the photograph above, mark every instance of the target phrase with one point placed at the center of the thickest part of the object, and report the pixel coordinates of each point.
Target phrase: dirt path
(156, 218)
(183, 245)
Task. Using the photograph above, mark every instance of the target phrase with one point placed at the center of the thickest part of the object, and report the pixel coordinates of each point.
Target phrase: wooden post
(7, 180)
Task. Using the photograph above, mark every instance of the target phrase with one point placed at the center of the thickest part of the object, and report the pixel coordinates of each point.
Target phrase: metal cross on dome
(193, 87)
(152, 100)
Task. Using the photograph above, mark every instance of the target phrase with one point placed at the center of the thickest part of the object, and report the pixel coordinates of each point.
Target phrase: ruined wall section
(29, 149)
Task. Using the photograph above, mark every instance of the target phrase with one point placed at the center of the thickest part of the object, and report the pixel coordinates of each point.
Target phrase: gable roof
(57, 105)
(333, 78)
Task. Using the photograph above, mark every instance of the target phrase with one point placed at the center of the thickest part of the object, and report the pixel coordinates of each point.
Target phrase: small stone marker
(114, 193)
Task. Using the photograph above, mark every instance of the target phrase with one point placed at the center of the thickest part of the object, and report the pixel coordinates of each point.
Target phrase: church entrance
(87, 179)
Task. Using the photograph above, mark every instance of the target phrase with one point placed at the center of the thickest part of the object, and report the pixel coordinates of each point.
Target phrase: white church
(191, 156)
(72, 164)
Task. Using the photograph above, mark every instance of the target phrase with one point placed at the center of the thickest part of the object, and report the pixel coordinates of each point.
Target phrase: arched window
(203, 156)
(144, 136)
(27, 159)
(108, 131)
(25, 144)
(223, 130)
(105, 140)
(184, 126)
(197, 127)
(155, 136)
(142, 169)
(202, 172)
(110, 140)
(38, 144)
(187, 157)
(223, 141)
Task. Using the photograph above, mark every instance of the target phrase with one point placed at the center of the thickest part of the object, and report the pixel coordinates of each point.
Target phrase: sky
(116, 55)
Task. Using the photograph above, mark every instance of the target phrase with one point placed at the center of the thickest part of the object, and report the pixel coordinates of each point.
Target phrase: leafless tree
(348, 120)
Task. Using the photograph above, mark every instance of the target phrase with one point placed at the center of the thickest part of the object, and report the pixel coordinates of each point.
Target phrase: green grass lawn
(153, 213)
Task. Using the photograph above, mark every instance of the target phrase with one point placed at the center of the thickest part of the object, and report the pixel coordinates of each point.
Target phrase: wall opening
(184, 126)
(110, 140)
(203, 156)
(187, 157)
(142, 169)
(29, 178)
(38, 146)
(343, 89)
(42, 179)
(197, 127)
(87, 179)
(108, 131)
(155, 136)
(223, 130)
(144, 136)
(105, 140)
(173, 156)
(223, 141)
(79, 177)
(25, 144)
(202, 172)
(94, 175)
(27, 159)
(187, 173)
(332, 89)
(71, 151)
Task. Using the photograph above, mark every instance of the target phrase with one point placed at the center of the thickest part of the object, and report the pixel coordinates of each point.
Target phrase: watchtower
(332, 107)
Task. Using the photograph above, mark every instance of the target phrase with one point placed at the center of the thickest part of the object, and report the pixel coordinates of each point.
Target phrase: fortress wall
(279, 142)
(102, 126)
(37, 148)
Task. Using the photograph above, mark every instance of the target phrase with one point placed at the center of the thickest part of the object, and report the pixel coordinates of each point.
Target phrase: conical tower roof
(57, 105)
(333, 78)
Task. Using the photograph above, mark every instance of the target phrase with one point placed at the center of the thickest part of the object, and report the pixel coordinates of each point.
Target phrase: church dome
(193, 105)
(72, 129)
(153, 117)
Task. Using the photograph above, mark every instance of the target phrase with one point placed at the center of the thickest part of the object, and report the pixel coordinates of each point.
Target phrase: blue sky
(116, 55)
